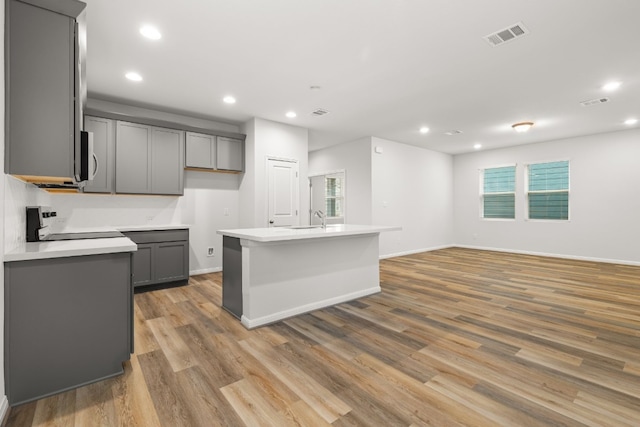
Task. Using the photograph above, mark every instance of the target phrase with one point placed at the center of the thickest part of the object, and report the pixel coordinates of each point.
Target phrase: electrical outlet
(210, 251)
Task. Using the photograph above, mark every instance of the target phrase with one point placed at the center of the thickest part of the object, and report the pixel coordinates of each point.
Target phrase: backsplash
(17, 196)
(78, 211)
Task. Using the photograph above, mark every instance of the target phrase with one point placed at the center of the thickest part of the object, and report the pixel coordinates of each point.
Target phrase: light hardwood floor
(456, 338)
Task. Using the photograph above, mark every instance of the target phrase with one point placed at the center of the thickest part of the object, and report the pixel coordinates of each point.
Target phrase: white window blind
(548, 190)
(498, 192)
(334, 195)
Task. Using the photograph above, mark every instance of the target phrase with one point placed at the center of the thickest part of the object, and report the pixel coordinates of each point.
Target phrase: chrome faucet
(322, 216)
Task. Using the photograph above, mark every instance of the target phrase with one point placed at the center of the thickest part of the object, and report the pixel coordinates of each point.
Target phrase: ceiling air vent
(453, 132)
(594, 102)
(319, 112)
(506, 35)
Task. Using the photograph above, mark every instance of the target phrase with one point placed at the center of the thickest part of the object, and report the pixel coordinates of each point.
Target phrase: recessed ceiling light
(291, 114)
(229, 100)
(611, 86)
(522, 126)
(630, 122)
(133, 76)
(424, 129)
(477, 146)
(150, 32)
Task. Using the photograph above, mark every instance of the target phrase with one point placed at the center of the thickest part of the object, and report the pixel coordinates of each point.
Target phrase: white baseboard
(264, 320)
(205, 271)
(416, 251)
(4, 407)
(564, 256)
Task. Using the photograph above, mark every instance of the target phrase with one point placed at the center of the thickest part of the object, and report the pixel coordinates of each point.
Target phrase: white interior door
(283, 193)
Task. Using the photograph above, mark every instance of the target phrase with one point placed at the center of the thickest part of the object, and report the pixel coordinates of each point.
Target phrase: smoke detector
(594, 102)
(505, 35)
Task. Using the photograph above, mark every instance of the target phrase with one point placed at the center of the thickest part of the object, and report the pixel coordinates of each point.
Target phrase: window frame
(527, 192)
(482, 192)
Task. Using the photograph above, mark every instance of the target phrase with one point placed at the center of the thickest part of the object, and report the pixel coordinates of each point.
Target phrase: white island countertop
(279, 234)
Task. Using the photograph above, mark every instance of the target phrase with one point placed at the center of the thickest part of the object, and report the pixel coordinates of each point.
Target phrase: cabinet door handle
(96, 164)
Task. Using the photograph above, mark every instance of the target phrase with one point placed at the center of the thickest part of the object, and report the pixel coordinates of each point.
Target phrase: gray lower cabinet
(162, 256)
(232, 275)
(149, 160)
(42, 99)
(68, 322)
(104, 134)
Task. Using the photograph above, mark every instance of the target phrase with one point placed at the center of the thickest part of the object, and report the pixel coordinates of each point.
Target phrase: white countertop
(278, 234)
(69, 248)
(152, 227)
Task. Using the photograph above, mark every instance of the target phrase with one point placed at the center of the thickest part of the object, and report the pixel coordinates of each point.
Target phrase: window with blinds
(334, 195)
(499, 192)
(548, 190)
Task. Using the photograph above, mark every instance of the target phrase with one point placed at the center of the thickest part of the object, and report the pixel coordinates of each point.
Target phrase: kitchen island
(270, 274)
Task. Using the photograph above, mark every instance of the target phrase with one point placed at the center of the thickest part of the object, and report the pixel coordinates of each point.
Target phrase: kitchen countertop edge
(69, 248)
(279, 234)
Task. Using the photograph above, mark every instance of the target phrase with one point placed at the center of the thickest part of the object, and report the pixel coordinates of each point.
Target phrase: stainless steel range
(39, 219)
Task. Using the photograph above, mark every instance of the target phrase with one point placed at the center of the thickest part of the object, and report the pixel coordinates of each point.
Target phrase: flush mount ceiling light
(291, 114)
(477, 146)
(150, 32)
(229, 100)
(424, 130)
(611, 86)
(133, 76)
(522, 126)
(630, 122)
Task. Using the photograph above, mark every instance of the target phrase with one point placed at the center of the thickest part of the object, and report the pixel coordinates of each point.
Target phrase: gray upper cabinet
(167, 158)
(41, 88)
(200, 150)
(214, 152)
(149, 159)
(229, 154)
(104, 154)
(133, 161)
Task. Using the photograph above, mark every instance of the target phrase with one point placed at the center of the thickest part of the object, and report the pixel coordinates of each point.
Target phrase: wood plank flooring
(457, 337)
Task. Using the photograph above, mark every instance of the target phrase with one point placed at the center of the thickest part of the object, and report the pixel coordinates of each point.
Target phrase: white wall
(604, 200)
(412, 187)
(210, 203)
(404, 185)
(355, 159)
(17, 195)
(266, 139)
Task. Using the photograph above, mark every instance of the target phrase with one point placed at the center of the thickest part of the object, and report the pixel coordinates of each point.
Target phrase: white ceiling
(385, 67)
